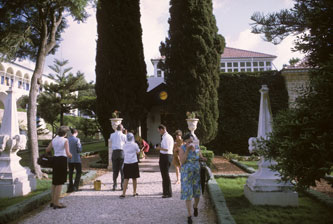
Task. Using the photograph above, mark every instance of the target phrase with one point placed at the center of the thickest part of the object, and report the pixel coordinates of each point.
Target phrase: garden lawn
(42, 185)
(91, 147)
(309, 210)
(253, 164)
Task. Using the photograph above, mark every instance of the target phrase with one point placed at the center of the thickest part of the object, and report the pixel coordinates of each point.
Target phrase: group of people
(67, 147)
(182, 152)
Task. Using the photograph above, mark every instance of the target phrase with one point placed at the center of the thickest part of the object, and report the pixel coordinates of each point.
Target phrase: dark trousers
(78, 169)
(117, 165)
(165, 162)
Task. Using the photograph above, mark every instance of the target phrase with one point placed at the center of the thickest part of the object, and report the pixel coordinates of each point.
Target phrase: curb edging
(242, 166)
(219, 203)
(321, 197)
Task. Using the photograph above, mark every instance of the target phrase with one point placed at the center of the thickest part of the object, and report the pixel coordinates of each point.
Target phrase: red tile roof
(230, 52)
(238, 53)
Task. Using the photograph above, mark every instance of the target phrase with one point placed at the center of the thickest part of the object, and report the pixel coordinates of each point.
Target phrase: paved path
(105, 206)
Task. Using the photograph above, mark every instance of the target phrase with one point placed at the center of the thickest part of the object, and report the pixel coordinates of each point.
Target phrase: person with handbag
(59, 174)
(190, 154)
(75, 148)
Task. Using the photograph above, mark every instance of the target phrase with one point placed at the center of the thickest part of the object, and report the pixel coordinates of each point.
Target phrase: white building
(232, 60)
(19, 78)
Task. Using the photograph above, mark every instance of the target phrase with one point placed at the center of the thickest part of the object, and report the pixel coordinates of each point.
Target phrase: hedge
(239, 101)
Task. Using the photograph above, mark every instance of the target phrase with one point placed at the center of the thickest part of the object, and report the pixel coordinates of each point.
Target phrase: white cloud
(288, 3)
(154, 21)
(79, 46)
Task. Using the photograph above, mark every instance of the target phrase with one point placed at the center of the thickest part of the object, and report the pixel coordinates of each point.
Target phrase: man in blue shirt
(75, 148)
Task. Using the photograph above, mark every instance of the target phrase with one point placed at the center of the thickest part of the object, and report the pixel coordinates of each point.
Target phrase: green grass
(309, 210)
(253, 164)
(94, 147)
(42, 185)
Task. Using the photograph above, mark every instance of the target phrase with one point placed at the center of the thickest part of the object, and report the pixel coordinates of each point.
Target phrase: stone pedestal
(114, 122)
(15, 180)
(265, 186)
(275, 198)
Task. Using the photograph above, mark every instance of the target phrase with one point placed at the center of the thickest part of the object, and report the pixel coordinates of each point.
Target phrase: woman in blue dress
(190, 174)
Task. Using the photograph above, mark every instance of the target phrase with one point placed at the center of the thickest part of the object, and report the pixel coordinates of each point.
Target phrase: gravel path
(105, 206)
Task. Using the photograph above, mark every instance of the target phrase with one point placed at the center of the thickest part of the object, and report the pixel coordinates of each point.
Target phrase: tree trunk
(32, 114)
(32, 109)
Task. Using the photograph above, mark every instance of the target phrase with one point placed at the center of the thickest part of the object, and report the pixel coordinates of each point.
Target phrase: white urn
(115, 122)
(192, 124)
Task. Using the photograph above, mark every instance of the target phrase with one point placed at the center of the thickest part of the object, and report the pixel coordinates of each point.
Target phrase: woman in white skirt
(131, 166)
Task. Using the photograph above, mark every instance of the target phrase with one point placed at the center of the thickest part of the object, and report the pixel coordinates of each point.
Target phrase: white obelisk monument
(265, 187)
(15, 180)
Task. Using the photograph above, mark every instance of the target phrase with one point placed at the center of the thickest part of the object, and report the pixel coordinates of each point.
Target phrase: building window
(229, 64)
(222, 64)
(248, 69)
(255, 69)
(235, 64)
(235, 70)
(19, 84)
(2, 80)
(27, 86)
(243, 70)
(7, 81)
(242, 64)
(229, 70)
(255, 63)
(222, 70)
(268, 63)
(262, 69)
(261, 64)
(159, 73)
(248, 64)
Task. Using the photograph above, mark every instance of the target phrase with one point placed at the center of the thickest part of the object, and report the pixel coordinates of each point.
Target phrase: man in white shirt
(166, 151)
(118, 140)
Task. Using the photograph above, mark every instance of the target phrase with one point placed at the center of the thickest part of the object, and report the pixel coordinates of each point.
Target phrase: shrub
(239, 101)
(209, 155)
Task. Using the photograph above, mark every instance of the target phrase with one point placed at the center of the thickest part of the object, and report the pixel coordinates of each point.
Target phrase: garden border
(219, 203)
(222, 212)
(17, 210)
(321, 197)
(242, 166)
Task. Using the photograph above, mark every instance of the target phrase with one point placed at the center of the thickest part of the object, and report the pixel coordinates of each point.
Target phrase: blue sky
(232, 17)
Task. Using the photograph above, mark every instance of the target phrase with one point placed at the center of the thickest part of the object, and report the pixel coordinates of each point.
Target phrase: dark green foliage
(311, 21)
(22, 22)
(121, 82)
(209, 155)
(239, 101)
(302, 138)
(192, 56)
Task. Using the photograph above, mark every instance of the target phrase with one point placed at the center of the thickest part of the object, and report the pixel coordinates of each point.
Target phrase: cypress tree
(121, 82)
(192, 53)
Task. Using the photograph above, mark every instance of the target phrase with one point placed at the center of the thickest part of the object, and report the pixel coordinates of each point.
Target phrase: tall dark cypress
(192, 57)
(121, 82)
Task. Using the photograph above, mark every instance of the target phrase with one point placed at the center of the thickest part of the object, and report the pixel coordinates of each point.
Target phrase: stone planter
(192, 125)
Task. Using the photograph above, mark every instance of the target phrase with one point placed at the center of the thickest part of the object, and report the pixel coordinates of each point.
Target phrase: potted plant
(192, 122)
(115, 120)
